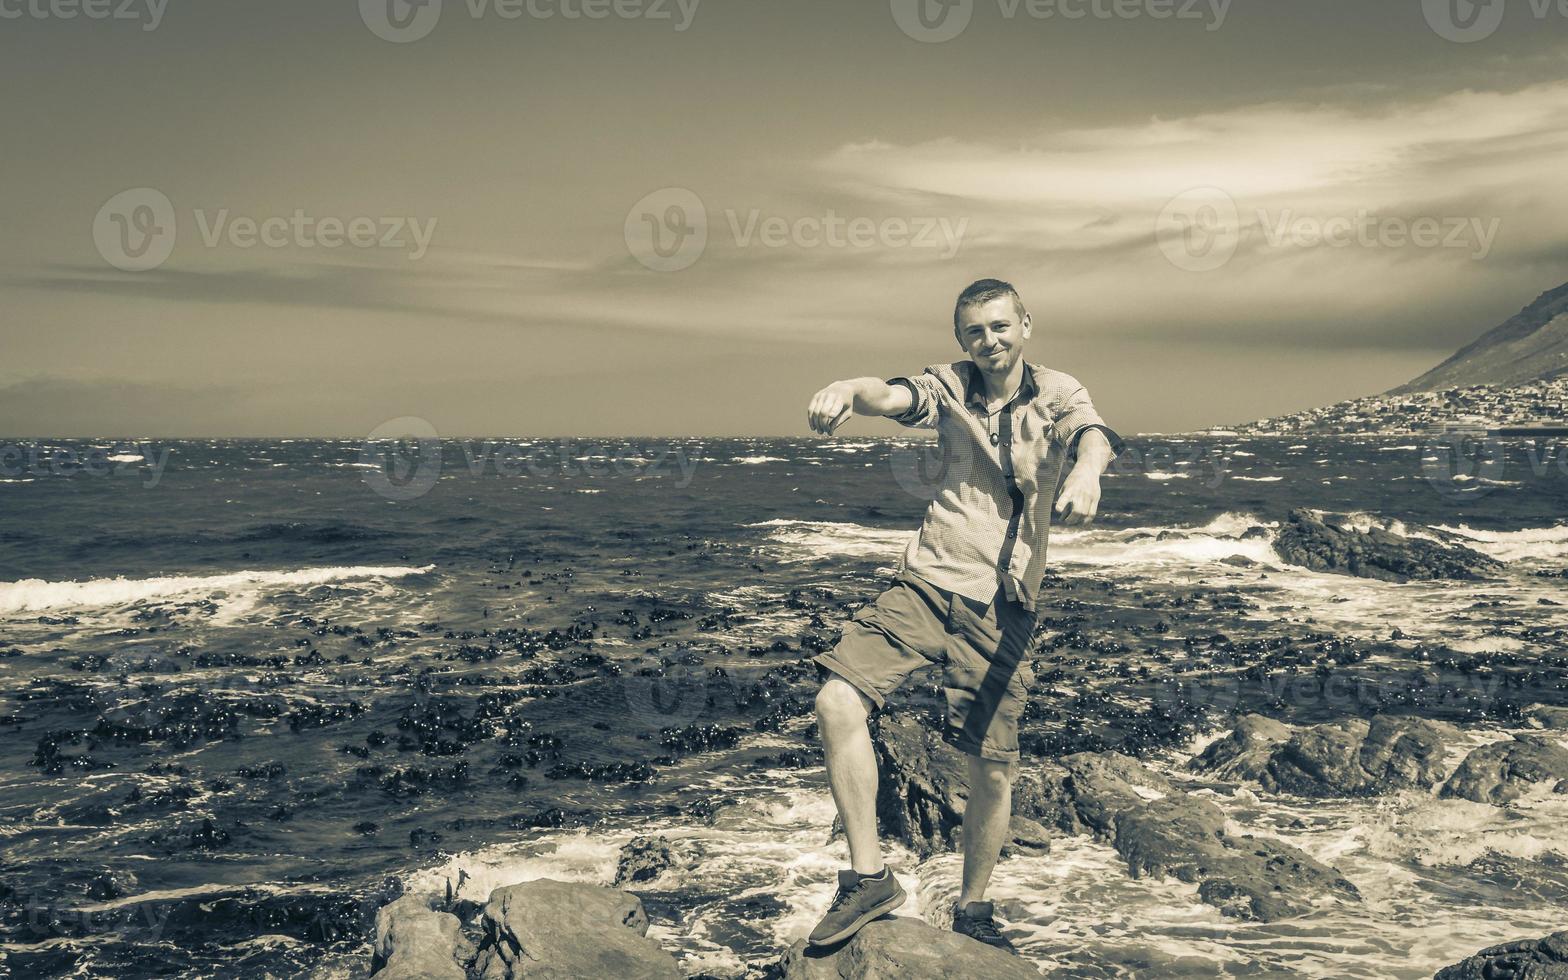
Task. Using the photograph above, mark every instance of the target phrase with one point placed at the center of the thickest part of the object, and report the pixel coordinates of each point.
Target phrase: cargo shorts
(982, 649)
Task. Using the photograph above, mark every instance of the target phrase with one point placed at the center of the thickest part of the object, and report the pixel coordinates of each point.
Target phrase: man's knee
(989, 775)
(839, 702)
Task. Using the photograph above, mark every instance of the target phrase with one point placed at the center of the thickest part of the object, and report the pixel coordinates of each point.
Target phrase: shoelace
(844, 893)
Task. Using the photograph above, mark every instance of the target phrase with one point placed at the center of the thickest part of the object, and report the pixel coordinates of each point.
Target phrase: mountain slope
(1532, 345)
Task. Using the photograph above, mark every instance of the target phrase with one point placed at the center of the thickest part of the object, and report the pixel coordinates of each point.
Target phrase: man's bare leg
(852, 768)
(987, 817)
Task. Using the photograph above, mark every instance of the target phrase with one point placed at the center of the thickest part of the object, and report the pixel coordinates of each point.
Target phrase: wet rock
(1347, 757)
(1309, 541)
(1527, 959)
(902, 946)
(1504, 771)
(1246, 751)
(923, 787)
(415, 942)
(1163, 831)
(558, 929)
(643, 859)
(1547, 716)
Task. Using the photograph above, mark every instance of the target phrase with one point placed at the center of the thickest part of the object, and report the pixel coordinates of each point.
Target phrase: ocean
(252, 689)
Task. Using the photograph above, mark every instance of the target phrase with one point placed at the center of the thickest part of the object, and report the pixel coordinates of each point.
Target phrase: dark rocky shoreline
(1124, 671)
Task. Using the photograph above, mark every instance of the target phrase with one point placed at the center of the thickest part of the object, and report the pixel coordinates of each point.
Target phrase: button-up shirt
(988, 525)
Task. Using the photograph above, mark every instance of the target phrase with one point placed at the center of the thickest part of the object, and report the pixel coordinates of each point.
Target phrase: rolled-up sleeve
(1077, 415)
(923, 391)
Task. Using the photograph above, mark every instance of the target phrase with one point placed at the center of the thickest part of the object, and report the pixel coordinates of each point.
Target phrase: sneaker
(974, 920)
(860, 898)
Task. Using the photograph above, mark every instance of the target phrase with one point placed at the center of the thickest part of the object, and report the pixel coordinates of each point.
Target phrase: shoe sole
(874, 912)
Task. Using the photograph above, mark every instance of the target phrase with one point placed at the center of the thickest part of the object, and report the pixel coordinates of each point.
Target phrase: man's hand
(1079, 498)
(831, 407)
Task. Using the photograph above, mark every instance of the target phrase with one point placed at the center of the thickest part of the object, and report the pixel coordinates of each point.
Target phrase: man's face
(993, 334)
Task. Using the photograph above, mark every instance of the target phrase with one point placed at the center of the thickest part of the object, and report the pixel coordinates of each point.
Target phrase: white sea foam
(1535, 542)
(36, 595)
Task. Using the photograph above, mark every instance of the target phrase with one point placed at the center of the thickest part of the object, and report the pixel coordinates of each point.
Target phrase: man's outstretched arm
(832, 406)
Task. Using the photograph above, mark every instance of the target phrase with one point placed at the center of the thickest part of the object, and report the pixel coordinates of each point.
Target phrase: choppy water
(249, 689)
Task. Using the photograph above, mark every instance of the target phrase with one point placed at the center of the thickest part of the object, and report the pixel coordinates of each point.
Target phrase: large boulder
(1347, 757)
(561, 930)
(1311, 542)
(1527, 959)
(1504, 771)
(903, 947)
(1161, 830)
(415, 942)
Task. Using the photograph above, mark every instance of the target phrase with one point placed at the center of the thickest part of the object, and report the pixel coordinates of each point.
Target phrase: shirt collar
(974, 386)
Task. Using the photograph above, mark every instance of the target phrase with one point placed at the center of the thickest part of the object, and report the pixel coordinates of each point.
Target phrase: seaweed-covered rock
(1347, 757)
(1311, 542)
(1527, 959)
(1504, 771)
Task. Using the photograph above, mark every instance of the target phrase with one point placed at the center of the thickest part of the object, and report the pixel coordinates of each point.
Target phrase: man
(967, 589)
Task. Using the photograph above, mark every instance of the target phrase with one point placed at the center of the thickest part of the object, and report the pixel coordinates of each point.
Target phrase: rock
(923, 787)
(559, 929)
(1246, 751)
(1504, 771)
(1527, 959)
(1347, 757)
(1547, 716)
(1026, 836)
(1161, 830)
(1309, 541)
(903, 947)
(643, 859)
(415, 942)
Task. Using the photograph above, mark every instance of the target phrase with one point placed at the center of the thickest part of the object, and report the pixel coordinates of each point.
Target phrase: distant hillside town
(1520, 409)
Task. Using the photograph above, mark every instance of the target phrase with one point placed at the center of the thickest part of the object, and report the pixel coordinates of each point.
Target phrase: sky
(651, 217)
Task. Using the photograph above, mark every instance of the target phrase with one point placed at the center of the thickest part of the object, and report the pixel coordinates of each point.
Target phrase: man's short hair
(984, 291)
